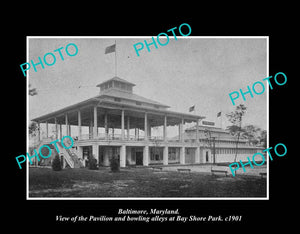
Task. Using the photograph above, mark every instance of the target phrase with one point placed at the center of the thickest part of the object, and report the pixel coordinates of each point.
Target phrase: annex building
(119, 123)
(218, 145)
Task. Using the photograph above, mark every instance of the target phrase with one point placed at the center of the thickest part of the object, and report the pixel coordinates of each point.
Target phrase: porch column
(70, 130)
(181, 132)
(95, 152)
(135, 134)
(165, 155)
(39, 131)
(56, 130)
(182, 155)
(46, 129)
(128, 127)
(106, 156)
(149, 130)
(128, 155)
(60, 131)
(165, 128)
(66, 123)
(95, 128)
(122, 125)
(123, 156)
(106, 126)
(80, 152)
(197, 155)
(79, 125)
(197, 132)
(146, 155)
(146, 127)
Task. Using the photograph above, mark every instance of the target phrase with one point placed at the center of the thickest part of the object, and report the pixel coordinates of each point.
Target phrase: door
(139, 158)
(206, 156)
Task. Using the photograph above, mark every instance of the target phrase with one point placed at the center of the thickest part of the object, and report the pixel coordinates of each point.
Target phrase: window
(172, 154)
(156, 106)
(117, 99)
(138, 103)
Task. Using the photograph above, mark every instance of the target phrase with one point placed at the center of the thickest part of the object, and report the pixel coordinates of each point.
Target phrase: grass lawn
(140, 182)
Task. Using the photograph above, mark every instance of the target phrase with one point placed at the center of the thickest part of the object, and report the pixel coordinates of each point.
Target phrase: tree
(114, 164)
(92, 163)
(33, 129)
(32, 91)
(251, 133)
(263, 138)
(236, 117)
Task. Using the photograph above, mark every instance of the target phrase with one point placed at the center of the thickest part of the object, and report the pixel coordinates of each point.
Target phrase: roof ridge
(117, 79)
(111, 92)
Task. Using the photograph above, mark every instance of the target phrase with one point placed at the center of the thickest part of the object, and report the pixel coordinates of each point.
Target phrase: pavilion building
(119, 123)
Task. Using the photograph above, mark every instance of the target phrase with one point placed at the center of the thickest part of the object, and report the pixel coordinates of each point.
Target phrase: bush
(56, 165)
(92, 163)
(114, 164)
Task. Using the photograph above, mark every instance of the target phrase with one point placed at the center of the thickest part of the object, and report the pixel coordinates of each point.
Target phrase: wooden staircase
(70, 157)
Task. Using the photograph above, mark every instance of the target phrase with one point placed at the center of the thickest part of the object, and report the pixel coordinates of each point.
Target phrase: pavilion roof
(102, 102)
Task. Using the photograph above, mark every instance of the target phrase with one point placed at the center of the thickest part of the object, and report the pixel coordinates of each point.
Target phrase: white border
(142, 198)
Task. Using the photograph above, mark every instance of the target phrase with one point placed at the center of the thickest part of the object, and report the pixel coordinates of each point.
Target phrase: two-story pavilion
(119, 122)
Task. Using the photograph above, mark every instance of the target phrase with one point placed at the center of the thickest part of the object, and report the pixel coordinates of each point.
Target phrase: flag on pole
(192, 108)
(110, 49)
(219, 114)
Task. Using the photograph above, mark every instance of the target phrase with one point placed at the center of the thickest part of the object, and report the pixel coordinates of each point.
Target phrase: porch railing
(112, 137)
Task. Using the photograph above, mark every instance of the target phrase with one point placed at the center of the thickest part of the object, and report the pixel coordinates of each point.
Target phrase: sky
(199, 71)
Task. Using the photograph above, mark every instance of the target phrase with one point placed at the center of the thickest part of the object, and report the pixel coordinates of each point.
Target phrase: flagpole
(221, 118)
(116, 58)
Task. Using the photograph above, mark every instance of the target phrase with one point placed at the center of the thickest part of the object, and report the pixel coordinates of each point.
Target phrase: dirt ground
(143, 183)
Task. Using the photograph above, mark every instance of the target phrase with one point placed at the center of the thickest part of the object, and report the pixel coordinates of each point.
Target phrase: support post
(197, 155)
(197, 131)
(95, 128)
(46, 129)
(123, 156)
(106, 156)
(96, 152)
(67, 123)
(39, 131)
(106, 126)
(60, 131)
(146, 127)
(165, 128)
(146, 155)
(56, 128)
(181, 130)
(166, 155)
(79, 125)
(128, 128)
(122, 125)
(182, 155)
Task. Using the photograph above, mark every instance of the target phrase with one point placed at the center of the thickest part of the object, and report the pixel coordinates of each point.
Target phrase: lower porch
(141, 155)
